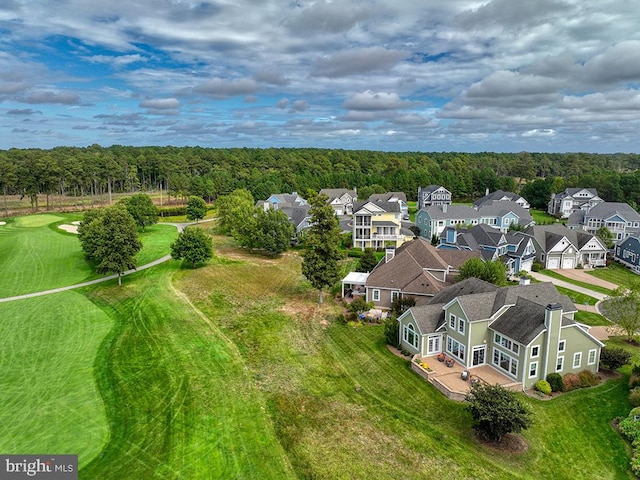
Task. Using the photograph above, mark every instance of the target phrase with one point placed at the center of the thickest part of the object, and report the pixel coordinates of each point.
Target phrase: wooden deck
(449, 379)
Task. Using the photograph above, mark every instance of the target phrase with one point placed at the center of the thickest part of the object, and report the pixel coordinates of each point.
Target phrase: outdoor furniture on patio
(449, 362)
(465, 375)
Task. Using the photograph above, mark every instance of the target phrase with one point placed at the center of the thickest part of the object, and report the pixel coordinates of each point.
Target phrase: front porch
(449, 379)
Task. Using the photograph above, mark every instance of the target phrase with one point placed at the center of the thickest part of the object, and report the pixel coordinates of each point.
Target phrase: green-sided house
(523, 332)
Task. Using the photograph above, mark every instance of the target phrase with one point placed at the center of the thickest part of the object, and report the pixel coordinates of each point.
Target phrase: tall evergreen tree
(320, 259)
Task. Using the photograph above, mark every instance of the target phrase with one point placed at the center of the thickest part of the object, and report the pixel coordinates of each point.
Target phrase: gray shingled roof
(607, 209)
(547, 236)
(428, 317)
(497, 195)
(540, 293)
(386, 206)
(436, 212)
(468, 286)
(523, 322)
(334, 193)
(385, 197)
(498, 208)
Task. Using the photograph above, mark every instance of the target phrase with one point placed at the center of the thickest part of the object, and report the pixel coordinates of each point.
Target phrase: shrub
(634, 397)
(537, 266)
(634, 381)
(571, 381)
(612, 358)
(588, 378)
(392, 332)
(543, 387)
(555, 381)
(636, 369)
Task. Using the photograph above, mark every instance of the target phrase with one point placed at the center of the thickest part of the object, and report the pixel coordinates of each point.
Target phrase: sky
(397, 75)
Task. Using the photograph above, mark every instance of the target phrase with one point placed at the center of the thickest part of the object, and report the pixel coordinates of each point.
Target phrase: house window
(452, 321)
(591, 359)
(559, 364)
(461, 325)
(376, 295)
(561, 345)
(394, 296)
(506, 343)
(410, 335)
(535, 351)
(577, 359)
(455, 348)
(533, 369)
(505, 362)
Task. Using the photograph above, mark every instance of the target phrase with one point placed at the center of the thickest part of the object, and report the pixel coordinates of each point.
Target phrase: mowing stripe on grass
(50, 401)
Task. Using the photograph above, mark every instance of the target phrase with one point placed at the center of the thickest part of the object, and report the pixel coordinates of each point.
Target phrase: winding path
(179, 226)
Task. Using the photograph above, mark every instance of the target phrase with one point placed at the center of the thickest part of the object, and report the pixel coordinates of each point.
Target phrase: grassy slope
(344, 407)
(39, 256)
(50, 402)
(179, 402)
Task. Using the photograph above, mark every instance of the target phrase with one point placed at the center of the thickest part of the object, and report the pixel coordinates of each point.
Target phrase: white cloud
(160, 103)
(371, 101)
(357, 62)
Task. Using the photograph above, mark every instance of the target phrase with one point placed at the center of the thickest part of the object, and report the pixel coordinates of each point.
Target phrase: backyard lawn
(618, 274)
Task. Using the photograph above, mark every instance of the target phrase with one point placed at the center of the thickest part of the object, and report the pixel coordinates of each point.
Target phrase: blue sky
(442, 75)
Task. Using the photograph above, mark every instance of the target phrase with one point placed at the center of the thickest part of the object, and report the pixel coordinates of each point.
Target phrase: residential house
(565, 203)
(516, 251)
(398, 197)
(416, 269)
(523, 332)
(341, 199)
(293, 205)
(627, 252)
(433, 195)
(378, 224)
(500, 215)
(560, 247)
(501, 196)
(621, 220)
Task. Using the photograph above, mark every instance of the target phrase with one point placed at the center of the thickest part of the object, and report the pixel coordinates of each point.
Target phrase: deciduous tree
(193, 245)
(492, 271)
(623, 309)
(196, 208)
(496, 411)
(109, 236)
(142, 209)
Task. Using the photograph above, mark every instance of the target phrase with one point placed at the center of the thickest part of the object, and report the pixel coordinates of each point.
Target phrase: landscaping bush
(612, 358)
(537, 266)
(543, 387)
(634, 397)
(392, 332)
(634, 381)
(630, 429)
(555, 381)
(588, 378)
(172, 211)
(571, 381)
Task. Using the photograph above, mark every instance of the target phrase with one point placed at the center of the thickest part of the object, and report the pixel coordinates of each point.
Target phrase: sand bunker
(69, 228)
(3, 223)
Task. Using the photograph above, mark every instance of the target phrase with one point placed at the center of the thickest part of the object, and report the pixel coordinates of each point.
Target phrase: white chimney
(444, 208)
(487, 191)
(525, 281)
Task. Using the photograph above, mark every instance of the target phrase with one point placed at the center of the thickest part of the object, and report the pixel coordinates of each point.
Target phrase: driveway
(561, 283)
(583, 276)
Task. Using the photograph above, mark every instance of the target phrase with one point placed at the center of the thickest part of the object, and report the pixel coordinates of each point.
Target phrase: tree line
(85, 172)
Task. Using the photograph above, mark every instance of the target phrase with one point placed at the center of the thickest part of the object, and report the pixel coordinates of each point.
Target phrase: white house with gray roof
(621, 220)
(341, 199)
(433, 195)
(524, 332)
(559, 247)
(565, 203)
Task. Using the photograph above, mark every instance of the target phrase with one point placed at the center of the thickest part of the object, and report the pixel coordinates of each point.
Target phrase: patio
(449, 379)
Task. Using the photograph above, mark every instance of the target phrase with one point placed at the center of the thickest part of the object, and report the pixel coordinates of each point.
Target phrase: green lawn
(617, 274)
(233, 371)
(590, 318)
(541, 217)
(590, 286)
(50, 401)
(37, 255)
(577, 297)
